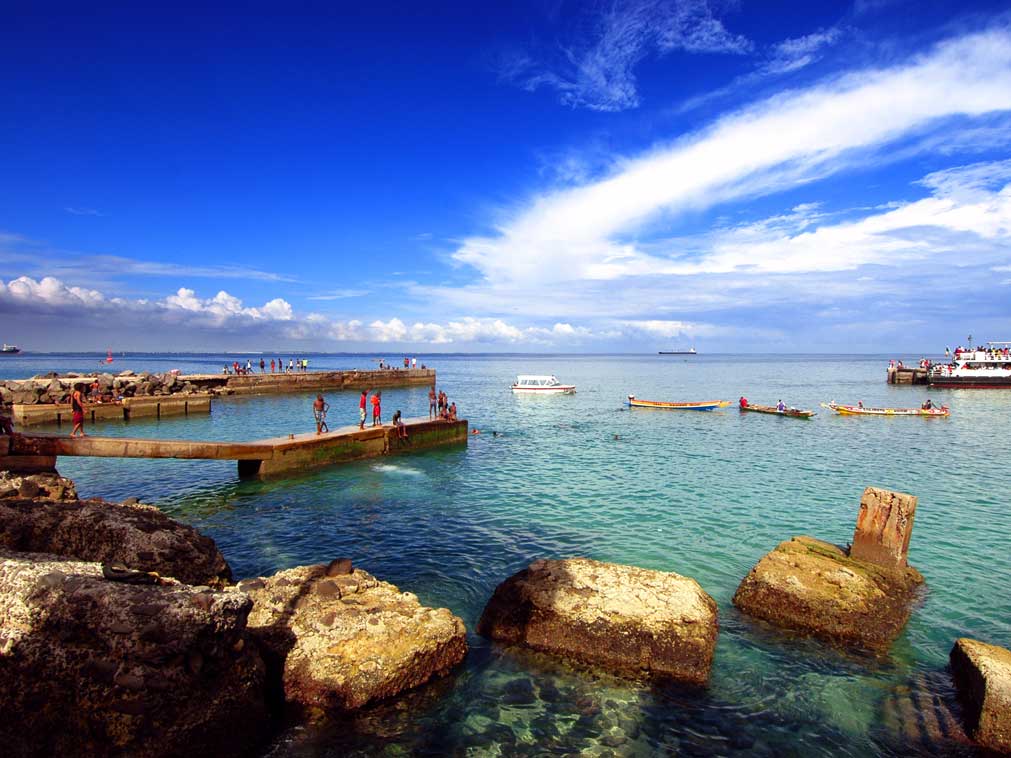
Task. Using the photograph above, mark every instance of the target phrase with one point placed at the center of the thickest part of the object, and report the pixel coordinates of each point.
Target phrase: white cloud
(599, 230)
(597, 71)
(798, 52)
(27, 298)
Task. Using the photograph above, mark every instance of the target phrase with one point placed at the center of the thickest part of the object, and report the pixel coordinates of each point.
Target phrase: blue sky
(538, 176)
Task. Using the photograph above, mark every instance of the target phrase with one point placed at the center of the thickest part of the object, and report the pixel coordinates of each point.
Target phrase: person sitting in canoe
(743, 402)
(780, 406)
(927, 405)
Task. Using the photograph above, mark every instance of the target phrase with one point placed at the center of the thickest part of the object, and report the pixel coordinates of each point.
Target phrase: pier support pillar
(884, 526)
(249, 469)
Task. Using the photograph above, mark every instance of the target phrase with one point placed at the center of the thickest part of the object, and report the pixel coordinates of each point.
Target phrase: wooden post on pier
(884, 526)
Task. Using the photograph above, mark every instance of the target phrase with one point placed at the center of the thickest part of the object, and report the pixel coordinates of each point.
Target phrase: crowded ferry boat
(979, 367)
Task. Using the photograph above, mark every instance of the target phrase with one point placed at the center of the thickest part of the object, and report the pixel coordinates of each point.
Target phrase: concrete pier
(124, 410)
(907, 375)
(268, 457)
(312, 381)
(44, 401)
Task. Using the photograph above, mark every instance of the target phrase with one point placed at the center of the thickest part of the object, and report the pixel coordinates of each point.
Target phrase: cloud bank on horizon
(751, 229)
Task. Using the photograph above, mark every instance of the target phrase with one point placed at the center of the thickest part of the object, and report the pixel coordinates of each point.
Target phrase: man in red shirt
(361, 408)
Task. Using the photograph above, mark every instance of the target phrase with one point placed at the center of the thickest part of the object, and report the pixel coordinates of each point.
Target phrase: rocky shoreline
(123, 632)
(125, 635)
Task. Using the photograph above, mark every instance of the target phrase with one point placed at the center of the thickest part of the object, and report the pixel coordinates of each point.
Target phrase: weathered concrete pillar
(982, 676)
(884, 526)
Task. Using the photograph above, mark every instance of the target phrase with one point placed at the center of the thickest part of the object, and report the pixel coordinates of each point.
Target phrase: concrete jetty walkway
(38, 452)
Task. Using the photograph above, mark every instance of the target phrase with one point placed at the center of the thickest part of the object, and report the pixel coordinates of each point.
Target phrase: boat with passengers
(9, 349)
(860, 410)
(535, 384)
(975, 367)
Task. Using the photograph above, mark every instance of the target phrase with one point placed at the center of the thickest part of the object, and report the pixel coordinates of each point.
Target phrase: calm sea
(701, 494)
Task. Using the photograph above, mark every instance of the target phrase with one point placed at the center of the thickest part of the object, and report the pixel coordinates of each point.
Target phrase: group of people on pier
(295, 366)
(439, 409)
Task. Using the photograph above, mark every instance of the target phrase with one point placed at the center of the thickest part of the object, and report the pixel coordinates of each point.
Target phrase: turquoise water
(701, 494)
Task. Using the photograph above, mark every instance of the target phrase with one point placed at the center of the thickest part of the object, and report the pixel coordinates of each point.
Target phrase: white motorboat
(535, 384)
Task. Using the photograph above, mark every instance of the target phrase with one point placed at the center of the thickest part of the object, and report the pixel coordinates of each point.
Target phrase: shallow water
(701, 494)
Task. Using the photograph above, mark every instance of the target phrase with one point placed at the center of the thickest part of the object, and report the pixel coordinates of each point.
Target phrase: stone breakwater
(56, 389)
(121, 634)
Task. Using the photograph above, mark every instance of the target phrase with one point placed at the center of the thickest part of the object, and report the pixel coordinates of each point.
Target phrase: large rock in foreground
(97, 667)
(138, 536)
(339, 638)
(982, 676)
(626, 619)
(813, 586)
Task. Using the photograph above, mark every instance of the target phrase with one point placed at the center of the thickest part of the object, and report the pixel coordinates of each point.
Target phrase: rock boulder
(98, 667)
(982, 676)
(337, 637)
(47, 485)
(623, 618)
(138, 536)
(813, 586)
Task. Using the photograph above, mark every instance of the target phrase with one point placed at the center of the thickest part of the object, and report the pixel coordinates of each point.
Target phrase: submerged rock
(624, 618)
(337, 637)
(98, 667)
(813, 586)
(982, 676)
(138, 536)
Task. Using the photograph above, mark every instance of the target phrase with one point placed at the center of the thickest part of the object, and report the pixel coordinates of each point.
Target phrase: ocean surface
(700, 494)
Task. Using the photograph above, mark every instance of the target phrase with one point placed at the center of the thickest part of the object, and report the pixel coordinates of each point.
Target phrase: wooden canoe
(791, 412)
(856, 410)
(708, 405)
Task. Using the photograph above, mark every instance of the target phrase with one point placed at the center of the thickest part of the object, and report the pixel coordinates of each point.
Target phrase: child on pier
(377, 409)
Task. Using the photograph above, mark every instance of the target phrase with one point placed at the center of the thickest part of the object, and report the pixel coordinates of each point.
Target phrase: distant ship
(10, 349)
(689, 351)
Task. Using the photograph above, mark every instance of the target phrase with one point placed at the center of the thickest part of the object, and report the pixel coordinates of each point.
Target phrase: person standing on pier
(272, 365)
(362, 403)
(263, 366)
(377, 408)
(431, 403)
(319, 409)
(77, 411)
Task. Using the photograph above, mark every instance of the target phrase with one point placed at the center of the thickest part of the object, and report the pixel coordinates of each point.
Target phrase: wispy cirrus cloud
(82, 211)
(595, 68)
(341, 294)
(777, 60)
(597, 231)
(40, 259)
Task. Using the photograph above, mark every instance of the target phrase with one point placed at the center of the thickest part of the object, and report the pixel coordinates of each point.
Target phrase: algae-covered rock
(337, 637)
(138, 536)
(97, 667)
(812, 586)
(623, 618)
(982, 676)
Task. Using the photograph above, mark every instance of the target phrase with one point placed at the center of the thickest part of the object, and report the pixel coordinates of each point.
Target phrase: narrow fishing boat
(791, 412)
(857, 410)
(709, 405)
